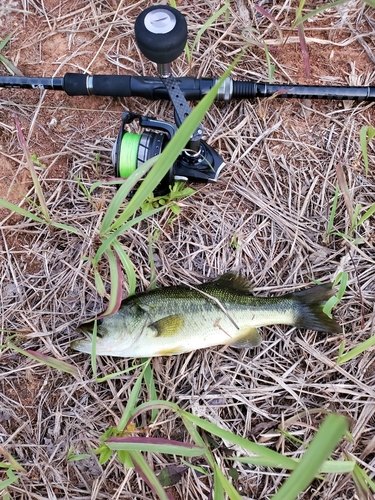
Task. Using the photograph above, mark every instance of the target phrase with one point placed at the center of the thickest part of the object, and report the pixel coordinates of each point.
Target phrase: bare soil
(266, 218)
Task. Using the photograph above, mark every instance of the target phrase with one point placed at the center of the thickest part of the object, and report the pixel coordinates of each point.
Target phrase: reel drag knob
(161, 33)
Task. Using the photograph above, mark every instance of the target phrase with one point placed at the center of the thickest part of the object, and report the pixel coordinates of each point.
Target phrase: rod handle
(102, 85)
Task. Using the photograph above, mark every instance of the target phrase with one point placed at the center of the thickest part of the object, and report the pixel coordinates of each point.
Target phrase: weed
(223, 10)
(129, 443)
(9, 466)
(366, 134)
(177, 191)
(8, 64)
(72, 457)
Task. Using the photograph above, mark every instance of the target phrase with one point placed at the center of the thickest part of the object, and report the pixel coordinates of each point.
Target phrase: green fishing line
(128, 154)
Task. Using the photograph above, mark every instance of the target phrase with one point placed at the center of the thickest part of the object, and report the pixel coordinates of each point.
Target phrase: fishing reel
(161, 35)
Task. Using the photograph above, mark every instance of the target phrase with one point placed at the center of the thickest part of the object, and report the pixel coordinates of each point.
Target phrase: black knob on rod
(161, 33)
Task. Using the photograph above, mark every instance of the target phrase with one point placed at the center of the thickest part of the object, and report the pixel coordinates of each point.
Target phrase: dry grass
(266, 219)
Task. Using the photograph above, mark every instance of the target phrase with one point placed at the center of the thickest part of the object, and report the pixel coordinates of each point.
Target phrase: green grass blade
(79, 456)
(197, 438)
(361, 473)
(93, 348)
(130, 406)
(330, 466)
(366, 215)
(362, 483)
(201, 470)
(272, 457)
(226, 485)
(366, 134)
(11, 67)
(115, 297)
(12, 479)
(321, 447)
(66, 227)
(356, 211)
(332, 215)
(30, 164)
(343, 279)
(356, 351)
(148, 475)
(127, 266)
(337, 466)
(117, 374)
(155, 445)
(270, 66)
(5, 41)
(46, 360)
(13, 464)
(125, 458)
(122, 229)
(218, 484)
(21, 211)
(300, 8)
(149, 405)
(317, 11)
(82, 187)
(264, 461)
(99, 283)
(363, 143)
(121, 195)
(8, 64)
(208, 23)
(150, 384)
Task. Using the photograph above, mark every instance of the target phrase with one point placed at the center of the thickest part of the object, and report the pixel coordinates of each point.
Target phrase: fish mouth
(88, 328)
(85, 344)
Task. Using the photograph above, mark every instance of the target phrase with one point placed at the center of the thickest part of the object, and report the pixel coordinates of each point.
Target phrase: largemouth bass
(179, 319)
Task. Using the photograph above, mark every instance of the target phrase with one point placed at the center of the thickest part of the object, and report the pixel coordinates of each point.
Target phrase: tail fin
(310, 313)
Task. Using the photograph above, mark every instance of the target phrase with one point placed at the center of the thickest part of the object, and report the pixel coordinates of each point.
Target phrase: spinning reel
(161, 35)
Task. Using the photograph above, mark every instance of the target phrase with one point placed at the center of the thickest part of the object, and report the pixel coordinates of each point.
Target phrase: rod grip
(75, 84)
(101, 85)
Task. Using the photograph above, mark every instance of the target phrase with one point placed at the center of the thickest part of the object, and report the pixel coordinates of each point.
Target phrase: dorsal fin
(229, 281)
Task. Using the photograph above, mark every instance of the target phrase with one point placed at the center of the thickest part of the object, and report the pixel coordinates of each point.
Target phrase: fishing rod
(161, 35)
(152, 88)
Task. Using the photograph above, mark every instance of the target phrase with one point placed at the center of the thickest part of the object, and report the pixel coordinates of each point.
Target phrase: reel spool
(134, 150)
(131, 150)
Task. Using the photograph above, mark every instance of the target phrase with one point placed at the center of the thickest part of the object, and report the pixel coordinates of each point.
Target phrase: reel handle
(161, 33)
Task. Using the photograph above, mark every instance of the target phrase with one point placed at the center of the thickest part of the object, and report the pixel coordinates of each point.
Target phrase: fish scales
(179, 319)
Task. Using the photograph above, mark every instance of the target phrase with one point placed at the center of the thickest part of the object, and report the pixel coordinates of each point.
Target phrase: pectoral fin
(247, 336)
(168, 326)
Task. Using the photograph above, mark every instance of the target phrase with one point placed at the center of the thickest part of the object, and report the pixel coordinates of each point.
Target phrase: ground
(267, 218)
